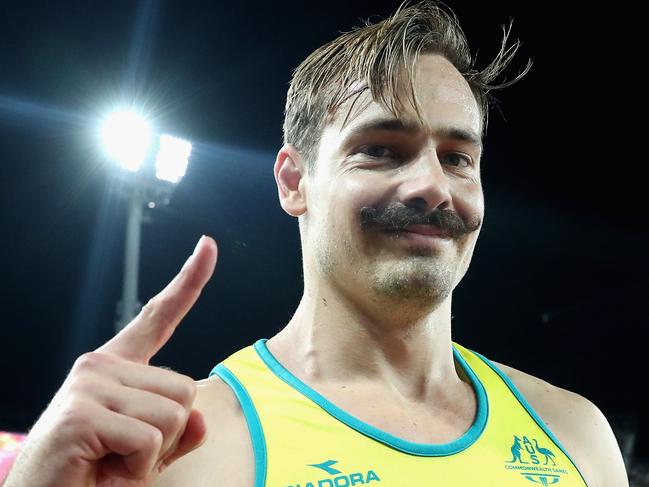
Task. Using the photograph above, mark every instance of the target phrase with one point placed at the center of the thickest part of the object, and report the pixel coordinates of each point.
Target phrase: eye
(376, 151)
(457, 159)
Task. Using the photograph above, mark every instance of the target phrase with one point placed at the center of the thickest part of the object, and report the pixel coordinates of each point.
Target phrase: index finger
(153, 326)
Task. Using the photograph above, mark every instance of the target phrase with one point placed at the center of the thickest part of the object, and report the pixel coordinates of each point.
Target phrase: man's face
(377, 172)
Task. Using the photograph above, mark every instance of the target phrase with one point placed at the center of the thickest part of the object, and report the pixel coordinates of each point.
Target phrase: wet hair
(382, 57)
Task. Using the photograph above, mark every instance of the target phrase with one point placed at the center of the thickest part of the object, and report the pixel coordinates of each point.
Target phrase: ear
(291, 179)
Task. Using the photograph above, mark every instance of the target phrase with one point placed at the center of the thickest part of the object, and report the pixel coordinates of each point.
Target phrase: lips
(427, 230)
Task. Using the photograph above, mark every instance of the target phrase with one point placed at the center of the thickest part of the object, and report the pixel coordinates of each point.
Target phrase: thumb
(195, 435)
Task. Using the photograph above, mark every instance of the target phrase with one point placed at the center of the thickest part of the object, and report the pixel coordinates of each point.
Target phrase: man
(381, 165)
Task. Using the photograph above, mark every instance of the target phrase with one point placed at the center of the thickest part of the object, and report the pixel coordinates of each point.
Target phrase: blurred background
(559, 274)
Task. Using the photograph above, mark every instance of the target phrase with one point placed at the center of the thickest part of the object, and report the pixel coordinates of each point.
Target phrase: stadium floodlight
(173, 157)
(126, 136)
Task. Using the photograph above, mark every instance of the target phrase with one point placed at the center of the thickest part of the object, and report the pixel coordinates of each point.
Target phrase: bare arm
(226, 458)
(590, 436)
(579, 425)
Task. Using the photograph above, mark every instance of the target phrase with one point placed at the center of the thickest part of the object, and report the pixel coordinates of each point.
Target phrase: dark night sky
(555, 285)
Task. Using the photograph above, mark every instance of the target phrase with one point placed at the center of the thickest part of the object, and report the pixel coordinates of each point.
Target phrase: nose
(425, 184)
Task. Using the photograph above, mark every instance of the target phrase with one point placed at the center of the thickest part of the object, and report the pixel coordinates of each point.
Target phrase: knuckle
(177, 418)
(149, 308)
(87, 361)
(152, 439)
(158, 309)
(187, 390)
(90, 361)
(80, 384)
(75, 415)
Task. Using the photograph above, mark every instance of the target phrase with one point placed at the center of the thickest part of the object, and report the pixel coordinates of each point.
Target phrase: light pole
(129, 305)
(126, 138)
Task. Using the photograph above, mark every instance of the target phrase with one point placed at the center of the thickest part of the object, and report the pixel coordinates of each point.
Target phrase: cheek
(469, 201)
(333, 215)
(352, 196)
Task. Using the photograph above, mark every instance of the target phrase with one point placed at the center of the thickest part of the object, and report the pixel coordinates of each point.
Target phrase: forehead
(446, 103)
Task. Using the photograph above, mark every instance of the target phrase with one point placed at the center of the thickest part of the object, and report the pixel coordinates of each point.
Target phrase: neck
(332, 340)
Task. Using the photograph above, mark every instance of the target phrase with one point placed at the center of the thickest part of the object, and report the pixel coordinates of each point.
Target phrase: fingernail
(159, 467)
(198, 244)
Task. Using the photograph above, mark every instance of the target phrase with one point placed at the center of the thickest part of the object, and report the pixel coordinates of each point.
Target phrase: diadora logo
(337, 478)
(534, 462)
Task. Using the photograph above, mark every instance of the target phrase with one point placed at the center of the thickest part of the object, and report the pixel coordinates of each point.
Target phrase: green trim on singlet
(529, 409)
(252, 419)
(421, 449)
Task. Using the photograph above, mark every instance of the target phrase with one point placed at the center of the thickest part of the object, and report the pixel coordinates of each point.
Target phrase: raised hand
(117, 421)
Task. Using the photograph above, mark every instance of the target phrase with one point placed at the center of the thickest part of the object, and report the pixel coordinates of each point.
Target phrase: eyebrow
(411, 127)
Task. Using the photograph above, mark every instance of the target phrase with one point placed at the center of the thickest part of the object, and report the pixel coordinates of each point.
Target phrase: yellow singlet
(300, 439)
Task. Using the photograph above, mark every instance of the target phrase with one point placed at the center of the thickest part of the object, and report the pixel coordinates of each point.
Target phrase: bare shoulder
(578, 424)
(226, 458)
